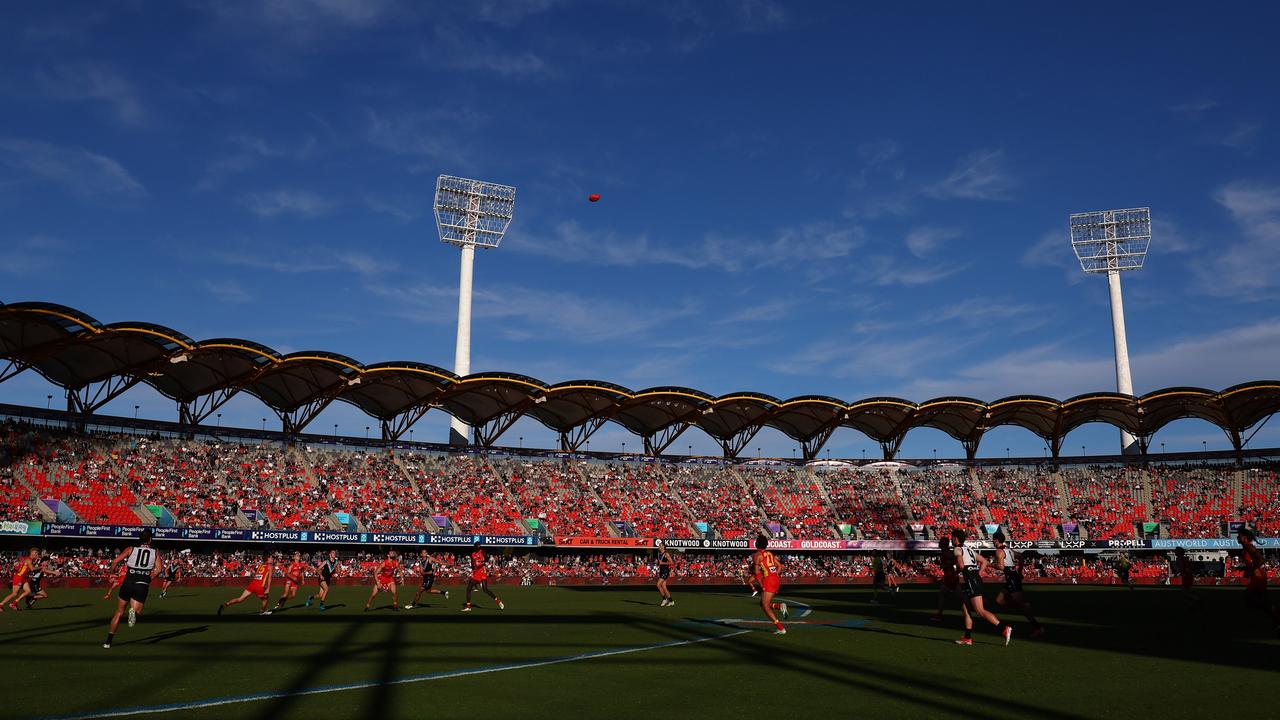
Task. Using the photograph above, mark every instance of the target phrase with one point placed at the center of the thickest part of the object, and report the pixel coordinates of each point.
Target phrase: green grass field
(1109, 652)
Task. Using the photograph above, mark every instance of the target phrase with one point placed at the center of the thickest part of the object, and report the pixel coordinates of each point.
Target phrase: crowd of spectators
(557, 497)
(639, 497)
(716, 496)
(124, 479)
(869, 502)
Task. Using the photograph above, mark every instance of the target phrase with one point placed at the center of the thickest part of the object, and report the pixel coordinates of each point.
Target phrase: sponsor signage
(1211, 543)
(703, 544)
(604, 542)
(20, 527)
(268, 536)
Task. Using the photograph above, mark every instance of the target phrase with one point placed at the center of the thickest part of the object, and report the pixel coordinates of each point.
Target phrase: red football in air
(593, 197)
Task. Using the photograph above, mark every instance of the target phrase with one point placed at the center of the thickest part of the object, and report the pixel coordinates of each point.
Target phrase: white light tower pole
(1111, 242)
(470, 214)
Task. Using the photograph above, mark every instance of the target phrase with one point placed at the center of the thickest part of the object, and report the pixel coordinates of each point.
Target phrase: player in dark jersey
(326, 569)
(1254, 568)
(1011, 564)
(665, 563)
(479, 578)
(142, 564)
(949, 590)
(881, 578)
(293, 577)
(749, 577)
(971, 565)
(171, 573)
(35, 579)
(1125, 571)
(19, 583)
(427, 565)
(259, 585)
(767, 568)
(1186, 577)
(384, 580)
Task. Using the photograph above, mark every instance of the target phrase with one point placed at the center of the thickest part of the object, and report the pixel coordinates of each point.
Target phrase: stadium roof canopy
(94, 363)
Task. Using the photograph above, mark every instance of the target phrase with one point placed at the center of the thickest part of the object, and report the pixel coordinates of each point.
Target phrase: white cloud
(979, 176)
(1194, 107)
(30, 254)
(925, 241)
(1053, 250)
(523, 313)
(509, 13)
(81, 172)
(811, 243)
(768, 311)
(227, 291)
(1247, 268)
(885, 270)
(246, 151)
(1242, 134)
(471, 52)
(1216, 360)
(97, 82)
(300, 203)
(979, 310)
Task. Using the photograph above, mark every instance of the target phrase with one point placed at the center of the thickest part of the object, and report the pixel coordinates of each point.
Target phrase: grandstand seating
(110, 479)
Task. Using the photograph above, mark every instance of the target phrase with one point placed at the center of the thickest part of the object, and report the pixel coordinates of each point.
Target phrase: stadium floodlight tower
(1111, 242)
(470, 214)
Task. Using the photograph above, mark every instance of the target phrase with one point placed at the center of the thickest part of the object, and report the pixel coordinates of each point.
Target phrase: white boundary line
(236, 699)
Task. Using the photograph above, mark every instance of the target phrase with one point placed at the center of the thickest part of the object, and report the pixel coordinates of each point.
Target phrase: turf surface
(1109, 652)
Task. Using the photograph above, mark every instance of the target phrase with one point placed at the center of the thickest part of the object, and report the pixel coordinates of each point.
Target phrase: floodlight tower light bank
(1111, 242)
(470, 214)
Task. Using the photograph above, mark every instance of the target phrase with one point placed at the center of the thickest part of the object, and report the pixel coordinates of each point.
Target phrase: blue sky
(797, 198)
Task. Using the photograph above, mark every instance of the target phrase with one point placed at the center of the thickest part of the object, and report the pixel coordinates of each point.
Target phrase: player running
(260, 585)
(171, 574)
(479, 578)
(950, 587)
(665, 563)
(749, 577)
(293, 576)
(766, 568)
(1186, 577)
(328, 568)
(1255, 573)
(428, 566)
(971, 566)
(34, 580)
(142, 564)
(116, 582)
(1012, 593)
(881, 579)
(1125, 570)
(384, 580)
(20, 574)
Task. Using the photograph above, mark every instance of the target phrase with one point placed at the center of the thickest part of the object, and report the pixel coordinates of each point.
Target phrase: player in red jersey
(950, 587)
(384, 580)
(116, 582)
(293, 576)
(767, 567)
(259, 585)
(20, 574)
(1254, 567)
(479, 577)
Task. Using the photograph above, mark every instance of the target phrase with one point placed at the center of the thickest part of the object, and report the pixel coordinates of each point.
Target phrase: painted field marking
(444, 675)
